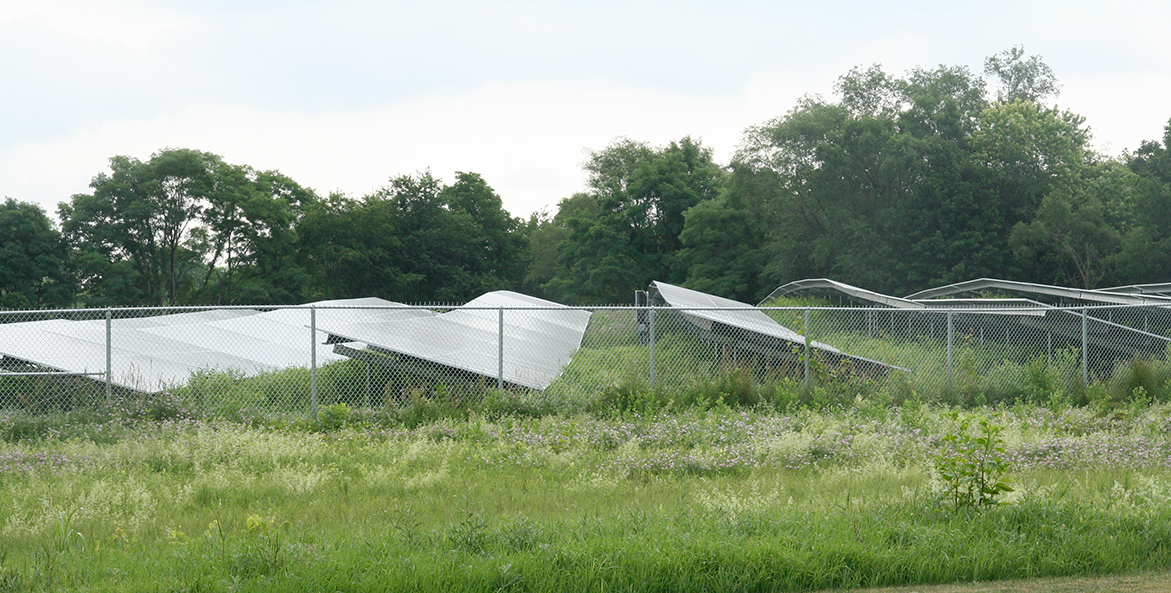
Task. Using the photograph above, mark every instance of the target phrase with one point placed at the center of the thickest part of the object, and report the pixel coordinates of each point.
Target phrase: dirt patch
(1147, 582)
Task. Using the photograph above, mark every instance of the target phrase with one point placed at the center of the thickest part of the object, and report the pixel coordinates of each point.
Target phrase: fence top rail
(938, 309)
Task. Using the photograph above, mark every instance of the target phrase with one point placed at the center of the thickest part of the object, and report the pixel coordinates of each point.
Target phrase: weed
(63, 537)
(264, 551)
(632, 396)
(333, 417)
(471, 534)
(973, 467)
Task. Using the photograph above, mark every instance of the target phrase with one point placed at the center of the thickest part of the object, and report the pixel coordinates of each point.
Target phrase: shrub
(972, 467)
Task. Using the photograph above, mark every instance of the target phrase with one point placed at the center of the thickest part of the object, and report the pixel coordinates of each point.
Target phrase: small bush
(972, 468)
(631, 396)
(1151, 376)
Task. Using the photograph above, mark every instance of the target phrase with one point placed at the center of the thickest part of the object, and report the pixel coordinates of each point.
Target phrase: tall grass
(687, 501)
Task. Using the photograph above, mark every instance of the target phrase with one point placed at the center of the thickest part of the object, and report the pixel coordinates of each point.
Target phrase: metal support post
(1085, 343)
(806, 347)
(109, 353)
(950, 333)
(651, 319)
(500, 350)
(313, 361)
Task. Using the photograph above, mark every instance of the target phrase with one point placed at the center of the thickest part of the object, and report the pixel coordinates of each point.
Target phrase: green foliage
(1021, 79)
(1151, 378)
(334, 416)
(720, 250)
(63, 536)
(32, 259)
(903, 183)
(415, 240)
(157, 232)
(264, 552)
(632, 396)
(631, 233)
(973, 468)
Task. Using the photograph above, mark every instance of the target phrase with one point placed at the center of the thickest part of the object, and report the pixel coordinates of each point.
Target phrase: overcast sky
(343, 95)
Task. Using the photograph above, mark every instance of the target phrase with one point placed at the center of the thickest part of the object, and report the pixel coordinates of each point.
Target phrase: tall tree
(547, 237)
(903, 183)
(1146, 248)
(414, 240)
(248, 237)
(155, 232)
(641, 193)
(127, 235)
(1022, 78)
(32, 259)
(1076, 237)
(498, 238)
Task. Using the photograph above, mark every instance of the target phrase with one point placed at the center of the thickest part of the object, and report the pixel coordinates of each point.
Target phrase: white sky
(343, 95)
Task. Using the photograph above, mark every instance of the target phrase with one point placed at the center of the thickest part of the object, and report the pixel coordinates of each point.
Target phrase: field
(701, 498)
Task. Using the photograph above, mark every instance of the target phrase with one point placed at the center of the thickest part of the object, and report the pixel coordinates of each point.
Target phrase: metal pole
(109, 356)
(651, 315)
(367, 383)
(500, 350)
(1085, 342)
(950, 333)
(806, 347)
(313, 361)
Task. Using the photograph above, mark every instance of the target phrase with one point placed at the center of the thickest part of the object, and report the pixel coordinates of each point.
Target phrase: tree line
(896, 184)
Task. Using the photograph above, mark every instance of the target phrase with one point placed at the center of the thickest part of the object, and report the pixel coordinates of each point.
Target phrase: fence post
(950, 333)
(1085, 344)
(109, 355)
(651, 318)
(367, 384)
(500, 349)
(313, 361)
(807, 341)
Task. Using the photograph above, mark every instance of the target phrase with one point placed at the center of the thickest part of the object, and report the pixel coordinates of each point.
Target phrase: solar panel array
(740, 324)
(372, 352)
(526, 345)
(150, 354)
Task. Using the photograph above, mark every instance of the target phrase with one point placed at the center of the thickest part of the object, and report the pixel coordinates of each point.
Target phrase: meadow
(704, 498)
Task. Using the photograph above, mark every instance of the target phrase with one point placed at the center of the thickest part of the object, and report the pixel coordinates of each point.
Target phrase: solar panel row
(150, 354)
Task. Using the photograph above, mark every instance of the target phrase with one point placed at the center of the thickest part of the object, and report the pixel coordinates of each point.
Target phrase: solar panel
(538, 342)
(739, 324)
(153, 353)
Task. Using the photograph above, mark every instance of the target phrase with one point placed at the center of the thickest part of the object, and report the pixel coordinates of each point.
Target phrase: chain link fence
(294, 360)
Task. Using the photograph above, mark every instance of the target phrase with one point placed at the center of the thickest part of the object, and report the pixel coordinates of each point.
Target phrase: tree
(414, 240)
(641, 194)
(1077, 234)
(498, 238)
(547, 237)
(1021, 78)
(32, 259)
(249, 225)
(138, 214)
(352, 248)
(903, 183)
(155, 232)
(721, 250)
(1146, 248)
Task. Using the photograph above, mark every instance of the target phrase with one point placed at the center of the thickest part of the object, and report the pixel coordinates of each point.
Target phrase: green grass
(565, 503)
